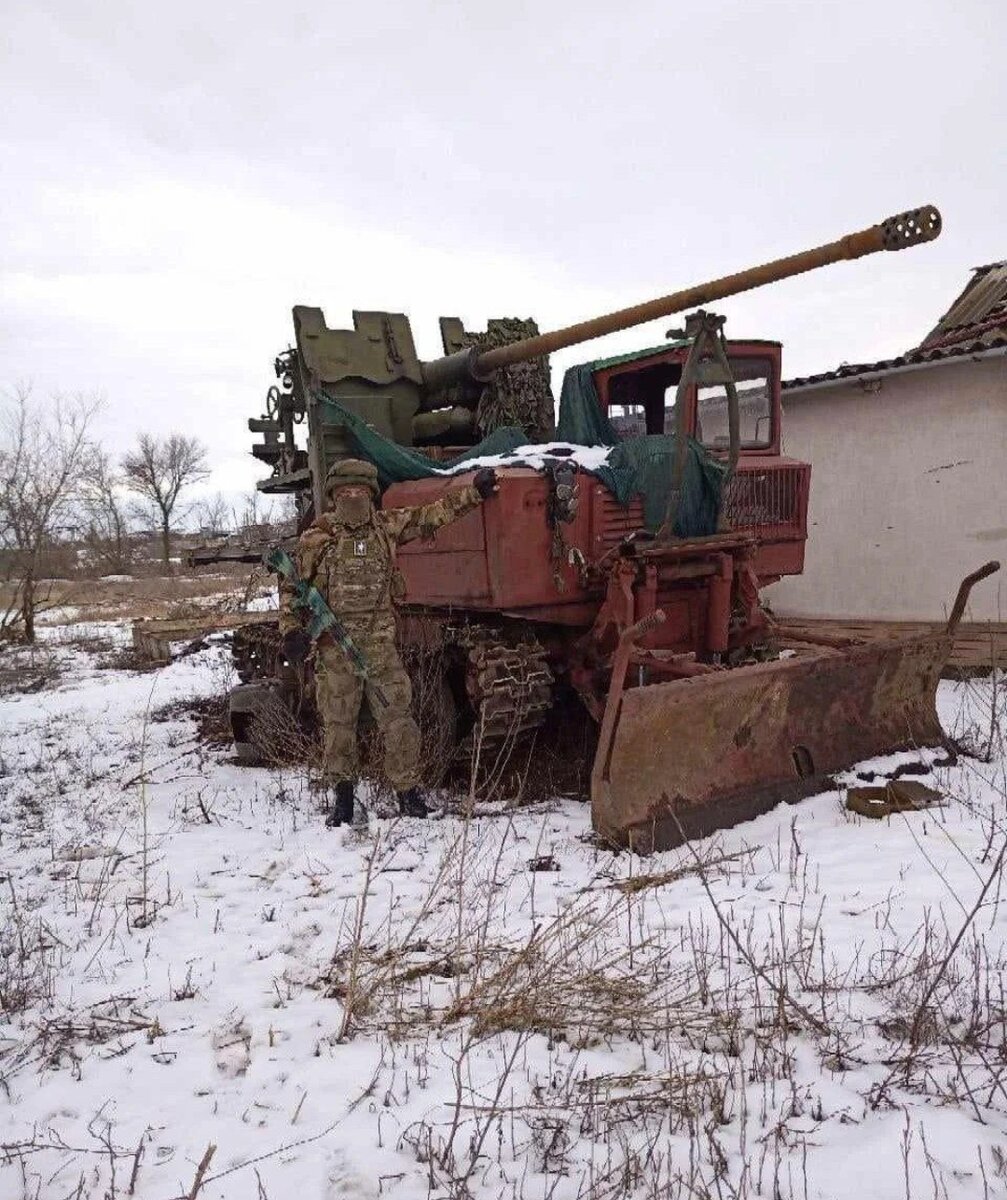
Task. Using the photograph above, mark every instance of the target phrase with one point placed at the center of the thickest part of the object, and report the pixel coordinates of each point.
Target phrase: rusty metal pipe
(964, 590)
(896, 233)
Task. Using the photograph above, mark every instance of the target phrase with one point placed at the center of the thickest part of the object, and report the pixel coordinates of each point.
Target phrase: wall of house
(908, 493)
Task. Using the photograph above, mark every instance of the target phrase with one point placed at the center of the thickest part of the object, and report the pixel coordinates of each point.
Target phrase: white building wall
(908, 493)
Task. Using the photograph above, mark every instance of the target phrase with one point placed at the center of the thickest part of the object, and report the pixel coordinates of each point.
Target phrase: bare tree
(252, 512)
(158, 470)
(105, 521)
(43, 448)
(213, 515)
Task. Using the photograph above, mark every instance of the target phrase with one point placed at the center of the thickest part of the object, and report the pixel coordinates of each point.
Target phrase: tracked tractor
(623, 559)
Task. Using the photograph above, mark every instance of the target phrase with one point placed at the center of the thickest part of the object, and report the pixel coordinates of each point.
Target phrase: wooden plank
(979, 645)
(153, 637)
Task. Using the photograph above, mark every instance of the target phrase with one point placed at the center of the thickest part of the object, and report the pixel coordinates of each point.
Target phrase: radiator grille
(772, 501)
(613, 523)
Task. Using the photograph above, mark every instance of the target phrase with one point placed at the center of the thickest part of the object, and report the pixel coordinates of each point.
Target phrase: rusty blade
(695, 755)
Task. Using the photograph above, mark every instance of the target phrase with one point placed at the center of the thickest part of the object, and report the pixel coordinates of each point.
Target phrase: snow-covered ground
(204, 992)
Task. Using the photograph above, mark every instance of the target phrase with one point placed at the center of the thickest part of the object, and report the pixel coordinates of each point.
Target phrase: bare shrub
(213, 516)
(27, 959)
(28, 669)
(44, 449)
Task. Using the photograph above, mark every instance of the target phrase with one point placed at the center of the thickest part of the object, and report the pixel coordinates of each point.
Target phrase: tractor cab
(687, 385)
(639, 394)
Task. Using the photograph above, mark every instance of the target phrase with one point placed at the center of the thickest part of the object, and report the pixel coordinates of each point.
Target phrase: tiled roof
(982, 305)
(976, 323)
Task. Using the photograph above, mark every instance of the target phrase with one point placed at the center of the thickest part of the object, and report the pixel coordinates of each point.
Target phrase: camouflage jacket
(354, 566)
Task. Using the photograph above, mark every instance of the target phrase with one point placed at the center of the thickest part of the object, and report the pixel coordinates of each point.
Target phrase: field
(205, 993)
(122, 597)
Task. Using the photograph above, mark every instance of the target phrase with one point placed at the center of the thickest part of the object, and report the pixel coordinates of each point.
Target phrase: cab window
(753, 378)
(638, 400)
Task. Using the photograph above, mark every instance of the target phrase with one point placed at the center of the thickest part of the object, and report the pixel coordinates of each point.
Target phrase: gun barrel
(896, 233)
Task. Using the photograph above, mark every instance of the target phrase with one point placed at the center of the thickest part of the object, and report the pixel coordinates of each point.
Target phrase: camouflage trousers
(339, 693)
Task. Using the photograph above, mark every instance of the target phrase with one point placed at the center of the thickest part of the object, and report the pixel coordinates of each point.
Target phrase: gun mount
(374, 371)
(483, 380)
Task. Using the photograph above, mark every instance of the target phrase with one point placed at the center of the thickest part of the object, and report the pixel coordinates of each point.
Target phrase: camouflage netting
(518, 396)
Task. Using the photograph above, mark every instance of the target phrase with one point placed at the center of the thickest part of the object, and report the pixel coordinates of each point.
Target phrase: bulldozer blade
(680, 759)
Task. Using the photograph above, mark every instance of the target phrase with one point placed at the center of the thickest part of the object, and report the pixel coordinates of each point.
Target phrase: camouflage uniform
(353, 566)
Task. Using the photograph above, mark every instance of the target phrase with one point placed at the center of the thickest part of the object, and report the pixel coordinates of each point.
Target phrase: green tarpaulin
(641, 466)
(397, 463)
(636, 466)
(581, 418)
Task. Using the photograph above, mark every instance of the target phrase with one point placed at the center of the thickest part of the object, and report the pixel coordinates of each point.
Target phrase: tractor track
(508, 686)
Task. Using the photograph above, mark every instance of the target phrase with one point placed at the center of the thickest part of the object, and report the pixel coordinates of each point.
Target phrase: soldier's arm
(407, 524)
(310, 546)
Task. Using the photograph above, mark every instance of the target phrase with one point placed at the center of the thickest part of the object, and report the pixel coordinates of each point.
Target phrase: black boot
(411, 803)
(341, 812)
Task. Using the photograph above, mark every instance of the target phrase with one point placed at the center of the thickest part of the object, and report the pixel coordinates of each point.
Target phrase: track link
(508, 686)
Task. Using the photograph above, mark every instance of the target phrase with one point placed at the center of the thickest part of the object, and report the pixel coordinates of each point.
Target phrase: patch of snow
(265, 602)
(535, 455)
(60, 614)
(117, 633)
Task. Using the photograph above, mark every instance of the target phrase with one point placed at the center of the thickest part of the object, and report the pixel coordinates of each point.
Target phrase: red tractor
(622, 563)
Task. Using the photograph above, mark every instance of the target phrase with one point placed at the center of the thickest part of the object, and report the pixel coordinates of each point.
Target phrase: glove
(485, 482)
(296, 646)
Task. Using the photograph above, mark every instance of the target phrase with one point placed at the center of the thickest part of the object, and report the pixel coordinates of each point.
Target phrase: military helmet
(353, 472)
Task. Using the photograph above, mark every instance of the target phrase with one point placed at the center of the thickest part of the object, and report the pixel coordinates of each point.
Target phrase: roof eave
(792, 389)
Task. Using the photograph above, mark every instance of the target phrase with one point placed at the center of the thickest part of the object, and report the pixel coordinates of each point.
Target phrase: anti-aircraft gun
(485, 380)
(373, 371)
(629, 581)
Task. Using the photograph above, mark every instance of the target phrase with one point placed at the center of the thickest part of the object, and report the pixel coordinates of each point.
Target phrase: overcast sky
(178, 176)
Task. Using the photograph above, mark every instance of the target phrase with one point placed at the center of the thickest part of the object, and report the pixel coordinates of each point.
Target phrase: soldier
(349, 555)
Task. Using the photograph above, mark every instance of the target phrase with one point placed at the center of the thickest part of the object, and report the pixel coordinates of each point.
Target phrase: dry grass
(27, 669)
(179, 595)
(722, 1004)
